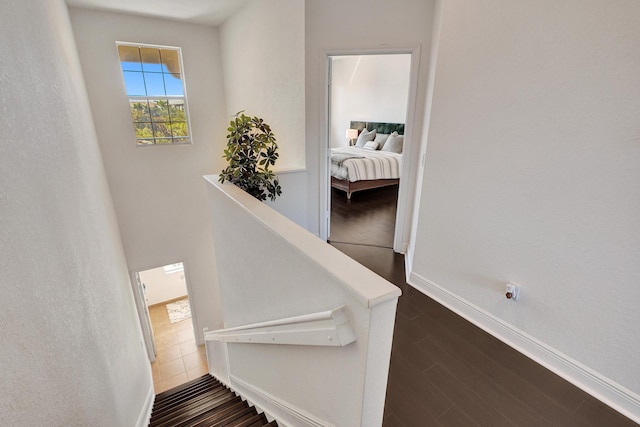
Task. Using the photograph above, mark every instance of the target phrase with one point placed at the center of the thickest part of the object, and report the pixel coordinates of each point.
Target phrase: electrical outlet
(512, 291)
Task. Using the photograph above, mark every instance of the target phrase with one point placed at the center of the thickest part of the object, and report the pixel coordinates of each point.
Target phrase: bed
(370, 162)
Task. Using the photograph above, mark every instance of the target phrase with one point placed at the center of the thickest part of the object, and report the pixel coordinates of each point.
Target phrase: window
(173, 268)
(154, 82)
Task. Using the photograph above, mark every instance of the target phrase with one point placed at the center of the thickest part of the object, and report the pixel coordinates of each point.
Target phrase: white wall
(158, 192)
(161, 287)
(329, 27)
(292, 202)
(532, 174)
(263, 61)
(72, 351)
(272, 269)
(370, 88)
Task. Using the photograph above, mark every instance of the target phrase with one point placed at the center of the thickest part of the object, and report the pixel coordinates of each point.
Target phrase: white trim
(161, 97)
(611, 393)
(326, 328)
(146, 328)
(218, 360)
(408, 262)
(145, 412)
(412, 143)
(408, 184)
(285, 413)
(376, 368)
(285, 171)
(402, 248)
(168, 97)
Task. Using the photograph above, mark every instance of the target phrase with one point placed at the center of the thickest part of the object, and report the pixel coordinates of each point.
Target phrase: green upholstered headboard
(380, 126)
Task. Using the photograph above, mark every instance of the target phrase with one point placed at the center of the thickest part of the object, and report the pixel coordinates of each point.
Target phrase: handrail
(276, 281)
(325, 328)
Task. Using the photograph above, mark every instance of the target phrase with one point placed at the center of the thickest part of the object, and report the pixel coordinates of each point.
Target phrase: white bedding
(366, 164)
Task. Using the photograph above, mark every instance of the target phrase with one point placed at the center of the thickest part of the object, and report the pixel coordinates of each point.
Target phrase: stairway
(204, 402)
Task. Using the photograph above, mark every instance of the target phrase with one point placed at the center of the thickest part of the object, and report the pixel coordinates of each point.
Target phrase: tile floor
(178, 358)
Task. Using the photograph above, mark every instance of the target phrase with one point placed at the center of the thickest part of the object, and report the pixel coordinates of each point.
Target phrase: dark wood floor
(351, 220)
(444, 370)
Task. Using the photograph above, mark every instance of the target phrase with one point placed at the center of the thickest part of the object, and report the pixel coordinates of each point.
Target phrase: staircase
(204, 402)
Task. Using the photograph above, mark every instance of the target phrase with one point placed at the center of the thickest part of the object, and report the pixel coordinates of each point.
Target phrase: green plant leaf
(251, 149)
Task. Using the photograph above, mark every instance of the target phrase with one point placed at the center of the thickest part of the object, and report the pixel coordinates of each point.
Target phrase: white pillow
(381, 138)
(365, 136)
(384, 137)
(371, 145)
(394, 144)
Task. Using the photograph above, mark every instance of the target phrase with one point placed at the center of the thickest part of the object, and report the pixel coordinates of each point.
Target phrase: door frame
(143, 309)
(143, 315)
(411, 150)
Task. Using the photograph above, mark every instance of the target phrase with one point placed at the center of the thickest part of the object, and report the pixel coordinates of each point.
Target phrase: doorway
(371, 90)
(175, 358)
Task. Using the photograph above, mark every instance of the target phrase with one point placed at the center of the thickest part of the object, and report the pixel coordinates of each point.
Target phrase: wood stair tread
(204, 402)
(219, 413)
(205, 379)
(191, 409)
(255, 421)
(194, 396)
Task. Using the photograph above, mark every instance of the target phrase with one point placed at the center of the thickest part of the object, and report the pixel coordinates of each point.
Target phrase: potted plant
(251, 151)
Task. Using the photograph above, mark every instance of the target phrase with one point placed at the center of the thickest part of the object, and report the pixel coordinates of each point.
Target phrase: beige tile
(172, 342)
(166, 339)
(163, 329)
(193, 360)
(194, 373)
(184, 335)
(158, 329)
(183, 324)
(167, 354)
(171, 369)
(156, 310)
(169, 329)
(159, 317)
(188, 347)
(159, 314)
(174, 381)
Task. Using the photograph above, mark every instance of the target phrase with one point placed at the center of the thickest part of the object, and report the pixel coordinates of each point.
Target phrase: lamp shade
(352, 133)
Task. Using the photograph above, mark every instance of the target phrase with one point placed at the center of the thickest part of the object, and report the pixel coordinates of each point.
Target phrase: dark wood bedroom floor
(444, 370)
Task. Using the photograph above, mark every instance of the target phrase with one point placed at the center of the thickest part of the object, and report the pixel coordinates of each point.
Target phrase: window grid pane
(179, 129)
(173, 84)
(150, 58)
(154, 84)
(129, 58)
(134, 83)
(140, 110)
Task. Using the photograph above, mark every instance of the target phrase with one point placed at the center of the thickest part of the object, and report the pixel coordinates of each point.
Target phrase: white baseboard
(275, 408)
(147, 407)
(618, 397)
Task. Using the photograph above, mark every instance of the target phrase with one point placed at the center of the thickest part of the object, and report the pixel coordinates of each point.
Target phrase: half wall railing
(307, 331)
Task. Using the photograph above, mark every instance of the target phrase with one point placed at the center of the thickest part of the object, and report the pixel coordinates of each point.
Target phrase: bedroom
(368, 110)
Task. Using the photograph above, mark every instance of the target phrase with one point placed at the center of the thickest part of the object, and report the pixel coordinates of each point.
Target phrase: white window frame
(165, 97)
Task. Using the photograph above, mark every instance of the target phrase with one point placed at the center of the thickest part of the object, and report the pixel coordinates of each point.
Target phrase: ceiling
(206, 12)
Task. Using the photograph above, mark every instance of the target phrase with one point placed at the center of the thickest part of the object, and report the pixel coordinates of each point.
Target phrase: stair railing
(326, 328)
(281, 348)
